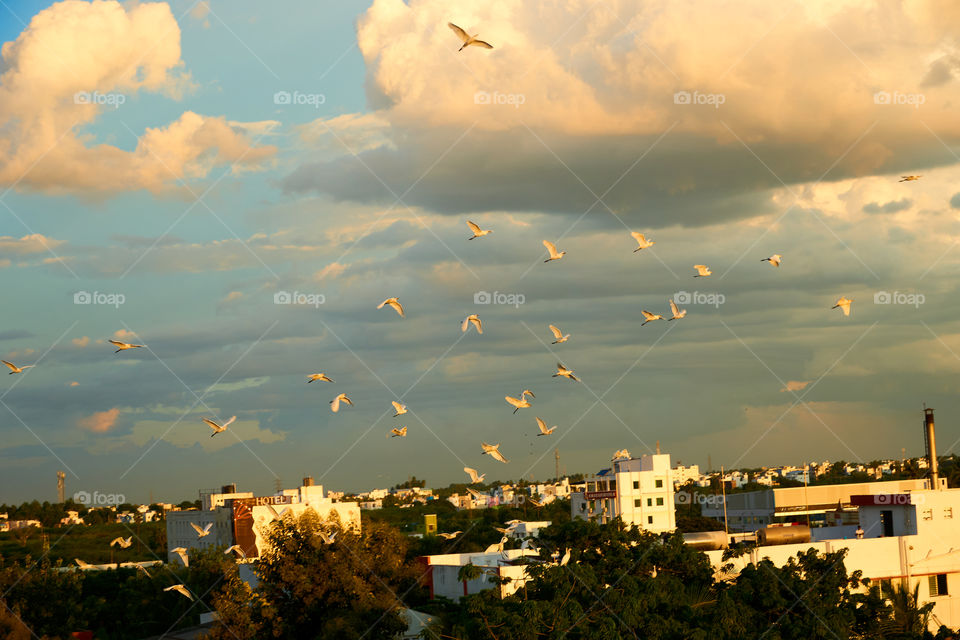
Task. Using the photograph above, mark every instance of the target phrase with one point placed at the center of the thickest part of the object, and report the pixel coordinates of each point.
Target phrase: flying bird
(180, 551)
(560, 338)
(844, 305)
(477, 231)
(327, 537)
(473, 319)
(622, 453)
(400, 408)
(398, 433)
(543, 428)
(179, 588)
(641, 241)
(335, 403)
(535, 502)
(142, 568)
(553, 251)
(497, 547)
(393, 302)
(562, 371)
(493, 450)
(313, 377)
(14, 368)
(650, 317)
(775, 259)
(908, 178)
(201, 532)
(82, 564)
(467, 39)
(522, 402)
(449, 536)
(219, 428)
(474, 477)
(676, 311)
(795, 385)
(237, 550)
(123, 542)
(123, 346)
(702, 270)
(476, 494)
(501, 530)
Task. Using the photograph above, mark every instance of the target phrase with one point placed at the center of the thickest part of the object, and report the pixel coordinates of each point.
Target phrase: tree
(309, 588)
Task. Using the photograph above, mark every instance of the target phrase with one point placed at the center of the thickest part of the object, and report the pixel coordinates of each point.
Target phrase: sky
(237, 187)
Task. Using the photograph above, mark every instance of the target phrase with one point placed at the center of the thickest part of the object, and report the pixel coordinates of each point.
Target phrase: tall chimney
(930, 439)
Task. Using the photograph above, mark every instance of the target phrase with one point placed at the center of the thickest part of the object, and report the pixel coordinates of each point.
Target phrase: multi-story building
(637, 490)
(682, 475)
(243, 519)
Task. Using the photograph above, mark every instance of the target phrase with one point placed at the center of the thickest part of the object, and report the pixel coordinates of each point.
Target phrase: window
(636, 484)
(938, 584)
(948, 512)
(649, 502)
(649, 519)
(928, 514)
(638, 502)
(659, 484)
(659, 502)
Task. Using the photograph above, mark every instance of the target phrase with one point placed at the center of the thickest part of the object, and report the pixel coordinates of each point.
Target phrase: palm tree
(908, 618)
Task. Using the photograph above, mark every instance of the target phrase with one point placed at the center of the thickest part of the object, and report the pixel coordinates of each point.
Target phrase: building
(752, 510)
(242, 518)
(441, 572)
(909, 538)
(637, 490)
(682, 475)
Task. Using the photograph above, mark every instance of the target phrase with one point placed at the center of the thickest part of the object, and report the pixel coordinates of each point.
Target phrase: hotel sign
(599, 495)
(263, 501)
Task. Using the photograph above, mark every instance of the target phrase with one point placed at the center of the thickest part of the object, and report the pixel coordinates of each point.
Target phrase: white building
(243, 519)
(910, 538)
(440, 573)
(638, 490)
(682, 475)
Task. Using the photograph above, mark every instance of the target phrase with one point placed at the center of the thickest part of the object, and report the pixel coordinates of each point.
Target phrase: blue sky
(199, 198)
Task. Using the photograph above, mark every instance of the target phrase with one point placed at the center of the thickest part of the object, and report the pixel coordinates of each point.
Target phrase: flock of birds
(493, 450)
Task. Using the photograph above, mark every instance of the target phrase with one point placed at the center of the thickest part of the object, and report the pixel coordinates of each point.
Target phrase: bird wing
(511, 400)
(335, 404)
(207, 528)
(380, 306)
(481, 43)
(639, 237)
(474, 228)
(116, 541)
(527, 392)
(12, 366)
(229, 422)
(556, 332)
(673, 307)
(213, 425)
(542, 425)
(347, 400)
(647, 315)
(476, 322)
(397, 405)
(196, 528)
(561, 368)
(551, 248)
(472, 473)
(460, 32)
(496, 455)
(115, 342)
(399, 307)
(466, 321)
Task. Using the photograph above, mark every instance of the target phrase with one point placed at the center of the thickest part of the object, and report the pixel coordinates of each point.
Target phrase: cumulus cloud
(893, 206)
(33, 243)
(81, 342)
(598, 84)
(101, 421)
(76, 59)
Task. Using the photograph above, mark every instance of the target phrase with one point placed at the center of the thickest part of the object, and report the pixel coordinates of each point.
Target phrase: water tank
(229, 488)
(797, 534)
(707, 540)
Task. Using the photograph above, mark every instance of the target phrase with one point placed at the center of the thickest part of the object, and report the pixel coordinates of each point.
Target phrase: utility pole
(556, 457)
(61, 476)
(723, 490)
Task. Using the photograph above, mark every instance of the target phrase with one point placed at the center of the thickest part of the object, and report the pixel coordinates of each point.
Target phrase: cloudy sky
(172, 173)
